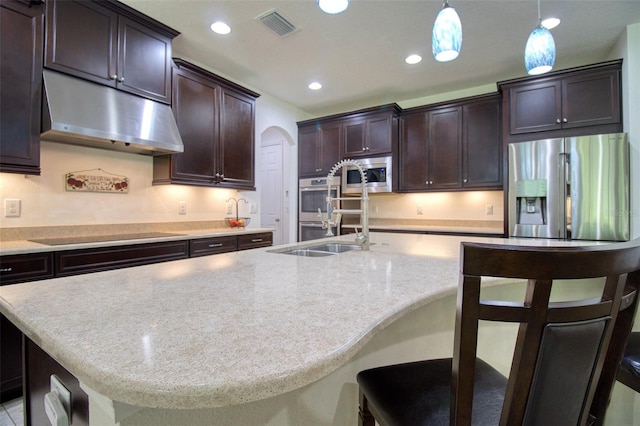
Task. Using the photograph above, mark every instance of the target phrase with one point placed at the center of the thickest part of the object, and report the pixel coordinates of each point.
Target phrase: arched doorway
(275, 191)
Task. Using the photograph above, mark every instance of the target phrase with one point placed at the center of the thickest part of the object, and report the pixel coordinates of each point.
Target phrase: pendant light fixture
(540, 51)
(333, 6)
(447, 34)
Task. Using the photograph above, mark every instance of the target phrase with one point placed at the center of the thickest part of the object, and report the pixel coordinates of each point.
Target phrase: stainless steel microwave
(378, 172)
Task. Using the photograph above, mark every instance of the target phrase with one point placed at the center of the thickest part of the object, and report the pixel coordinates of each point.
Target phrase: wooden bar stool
(629, 371)
(566, 353)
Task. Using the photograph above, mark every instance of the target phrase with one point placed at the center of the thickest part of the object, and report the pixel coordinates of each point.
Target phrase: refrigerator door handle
(565, 202)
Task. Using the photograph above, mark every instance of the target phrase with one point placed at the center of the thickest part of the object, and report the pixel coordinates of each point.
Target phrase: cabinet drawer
(25, 267)
(101, 259)
(205, 246)
(249, 241)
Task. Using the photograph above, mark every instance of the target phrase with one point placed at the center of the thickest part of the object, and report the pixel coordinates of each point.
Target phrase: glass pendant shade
(333, 6)
(540, 51)
(447, 35)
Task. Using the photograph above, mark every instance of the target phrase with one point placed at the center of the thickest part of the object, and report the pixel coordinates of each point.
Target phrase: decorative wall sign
(96, 180)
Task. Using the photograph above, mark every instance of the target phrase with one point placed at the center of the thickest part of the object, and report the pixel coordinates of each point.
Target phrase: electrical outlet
(420, 209)
(229, 208)
(11, 207)
(254, 208)
(182, 207)
(489, 209)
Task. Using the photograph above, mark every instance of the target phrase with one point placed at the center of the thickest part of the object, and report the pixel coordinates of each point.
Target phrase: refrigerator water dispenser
(531, 202)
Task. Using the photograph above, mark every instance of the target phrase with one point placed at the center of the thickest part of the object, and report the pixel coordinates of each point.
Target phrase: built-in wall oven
(313, 196)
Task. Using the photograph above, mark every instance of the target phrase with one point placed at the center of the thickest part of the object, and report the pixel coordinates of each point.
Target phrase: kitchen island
(256, 337)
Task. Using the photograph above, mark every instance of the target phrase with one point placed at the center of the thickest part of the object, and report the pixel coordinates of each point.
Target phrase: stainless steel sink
(335, 247)
(307, 253)
(320, 250)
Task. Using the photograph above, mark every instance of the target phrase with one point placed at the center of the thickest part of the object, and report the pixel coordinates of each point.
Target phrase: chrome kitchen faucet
(362, 238)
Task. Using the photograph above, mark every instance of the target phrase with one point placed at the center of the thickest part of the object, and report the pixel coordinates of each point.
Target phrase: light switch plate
(182, 207)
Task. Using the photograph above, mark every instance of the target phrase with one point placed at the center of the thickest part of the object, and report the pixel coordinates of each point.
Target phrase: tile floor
(11, 413)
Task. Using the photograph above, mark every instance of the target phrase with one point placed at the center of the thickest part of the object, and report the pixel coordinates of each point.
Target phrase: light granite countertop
(232, 328)
(24, 246)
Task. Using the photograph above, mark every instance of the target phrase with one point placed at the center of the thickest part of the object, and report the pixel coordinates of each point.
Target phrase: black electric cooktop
(101, 238)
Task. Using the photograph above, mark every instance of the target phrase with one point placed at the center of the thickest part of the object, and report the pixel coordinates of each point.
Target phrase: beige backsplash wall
(468, 205)
(44, 201)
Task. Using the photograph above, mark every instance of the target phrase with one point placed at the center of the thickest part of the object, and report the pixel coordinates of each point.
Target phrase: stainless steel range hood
(80, 112)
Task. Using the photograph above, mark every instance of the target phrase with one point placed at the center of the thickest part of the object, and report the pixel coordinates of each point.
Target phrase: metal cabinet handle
(564, 120)
(121, 79)
(464, 180)
(9, 269)
(557, 120)
(256, 240)
(113, 77)
(215, 245)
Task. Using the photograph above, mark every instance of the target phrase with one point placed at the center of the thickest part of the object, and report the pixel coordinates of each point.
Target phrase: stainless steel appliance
(379, 176)
(570, 188)
(313, 196)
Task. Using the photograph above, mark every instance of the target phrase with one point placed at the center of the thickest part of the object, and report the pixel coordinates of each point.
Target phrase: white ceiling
(358, 55)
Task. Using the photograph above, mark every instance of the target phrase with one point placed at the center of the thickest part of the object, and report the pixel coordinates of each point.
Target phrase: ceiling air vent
(278, 23)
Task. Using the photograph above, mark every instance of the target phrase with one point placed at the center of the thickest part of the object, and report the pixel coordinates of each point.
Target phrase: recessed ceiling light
(315, 86)
(220, 28)
(550, 23)
(413, 59)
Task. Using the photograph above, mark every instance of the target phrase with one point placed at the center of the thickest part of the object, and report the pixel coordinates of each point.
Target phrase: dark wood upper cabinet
(414, 152)
(216, 119)
(451, 146)
(236, 143)
(319, 148)
(322, 142)
(110, 44)
(371, 133)
(445, 145)
(481, 146)
(577, 101)
(21, 39)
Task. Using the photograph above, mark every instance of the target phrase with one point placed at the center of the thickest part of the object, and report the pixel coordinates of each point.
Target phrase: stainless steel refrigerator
(570, 188)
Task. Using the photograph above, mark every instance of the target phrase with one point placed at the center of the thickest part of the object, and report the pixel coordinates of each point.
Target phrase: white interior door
(271, 190)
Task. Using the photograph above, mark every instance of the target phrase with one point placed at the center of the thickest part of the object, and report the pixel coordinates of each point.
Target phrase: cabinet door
(250, 241)
(236, 150)
(81, 40)
(354, 137)
(194, 106)
(379, 135)
(445, 145)
(214, 245)
(482, 161)
(329, 146)
(144, 61)
(591, 99)
(535, 107)
(414, 153)
(308, 151)
(21, 38)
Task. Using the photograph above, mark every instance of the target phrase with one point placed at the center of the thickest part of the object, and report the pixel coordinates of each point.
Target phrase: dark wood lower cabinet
(11, 365)
(251, 241)
(39, 367)
(216, 245)
(72, 262)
